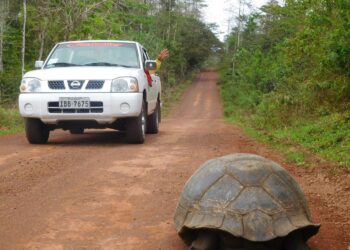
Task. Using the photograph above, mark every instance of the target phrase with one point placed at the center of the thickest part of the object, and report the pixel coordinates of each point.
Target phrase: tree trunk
(1, 45)
(238, 43)
(4, 9)
(24, 34)
(42, 43)
(238, 38)
(175, 30)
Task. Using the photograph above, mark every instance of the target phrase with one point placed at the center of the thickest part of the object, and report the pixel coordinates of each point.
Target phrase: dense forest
(174, 24)
(287, 74)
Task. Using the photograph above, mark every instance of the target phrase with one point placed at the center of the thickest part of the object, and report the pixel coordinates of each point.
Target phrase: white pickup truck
(92, 84)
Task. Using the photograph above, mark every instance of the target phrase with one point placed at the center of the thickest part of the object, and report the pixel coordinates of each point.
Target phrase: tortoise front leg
(295, 241)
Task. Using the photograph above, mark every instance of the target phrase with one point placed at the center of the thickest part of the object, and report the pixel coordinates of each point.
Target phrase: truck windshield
(113, 54)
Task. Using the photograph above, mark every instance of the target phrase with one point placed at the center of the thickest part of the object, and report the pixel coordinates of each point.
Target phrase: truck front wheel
(136, 127)
(36, 131)
(153, 120)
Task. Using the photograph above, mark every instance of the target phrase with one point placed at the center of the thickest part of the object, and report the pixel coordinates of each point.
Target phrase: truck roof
(97, 41)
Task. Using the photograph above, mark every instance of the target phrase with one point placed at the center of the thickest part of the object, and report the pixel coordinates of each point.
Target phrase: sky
(218, 11)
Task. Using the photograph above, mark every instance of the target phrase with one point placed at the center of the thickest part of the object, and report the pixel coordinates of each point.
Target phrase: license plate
(74, 102)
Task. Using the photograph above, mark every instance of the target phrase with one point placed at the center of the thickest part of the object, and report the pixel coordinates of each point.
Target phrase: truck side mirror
(151, 65)
(39, 64)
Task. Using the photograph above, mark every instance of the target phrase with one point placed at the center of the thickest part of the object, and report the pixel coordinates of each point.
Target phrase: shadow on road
(90, 137)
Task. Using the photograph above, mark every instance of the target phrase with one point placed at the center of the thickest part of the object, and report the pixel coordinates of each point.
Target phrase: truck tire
(36, 131)
(137, 126)
(153, 120)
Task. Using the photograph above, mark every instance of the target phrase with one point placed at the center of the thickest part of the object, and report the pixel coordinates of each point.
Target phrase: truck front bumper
(105, 108)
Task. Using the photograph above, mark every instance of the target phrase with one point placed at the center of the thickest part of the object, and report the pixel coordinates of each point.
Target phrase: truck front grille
(95, 107)
(56, 85)
(95, 84)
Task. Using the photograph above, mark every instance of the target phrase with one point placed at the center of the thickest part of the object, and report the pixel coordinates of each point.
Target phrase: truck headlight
(30, 85)
(125, 85)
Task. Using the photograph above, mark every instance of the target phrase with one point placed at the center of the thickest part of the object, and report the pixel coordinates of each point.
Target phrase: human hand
(163, 54)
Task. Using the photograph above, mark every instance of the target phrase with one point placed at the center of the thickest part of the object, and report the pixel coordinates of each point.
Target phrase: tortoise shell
(245, 195)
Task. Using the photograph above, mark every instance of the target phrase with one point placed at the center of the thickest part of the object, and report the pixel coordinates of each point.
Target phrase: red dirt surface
(94, 191)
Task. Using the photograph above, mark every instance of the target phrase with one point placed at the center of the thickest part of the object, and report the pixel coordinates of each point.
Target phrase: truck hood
(82, 73)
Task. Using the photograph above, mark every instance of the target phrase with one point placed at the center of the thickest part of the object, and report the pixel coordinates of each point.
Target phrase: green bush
(10, 121)
(290, 76)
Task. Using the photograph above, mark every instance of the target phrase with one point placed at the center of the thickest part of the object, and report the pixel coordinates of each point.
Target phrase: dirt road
(94, 191)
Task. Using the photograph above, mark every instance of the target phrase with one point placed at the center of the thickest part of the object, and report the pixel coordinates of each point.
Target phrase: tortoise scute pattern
(202, 180)
(245, 195)
(220, 194)
(254, 198)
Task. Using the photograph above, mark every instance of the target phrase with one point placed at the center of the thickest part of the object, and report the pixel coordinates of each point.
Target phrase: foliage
(291, 74)
(327, 136)
(10, 121)
(154, 23)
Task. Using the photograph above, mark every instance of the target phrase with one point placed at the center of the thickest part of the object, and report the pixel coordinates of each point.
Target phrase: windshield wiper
(107, 64)
(61, 64)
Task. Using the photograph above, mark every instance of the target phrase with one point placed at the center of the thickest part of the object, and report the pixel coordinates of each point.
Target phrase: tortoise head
(205, 240)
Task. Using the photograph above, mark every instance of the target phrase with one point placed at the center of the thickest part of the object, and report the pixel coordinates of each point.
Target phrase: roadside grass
(307, 139)
(326, 136)
(289, 151)
(10, 121)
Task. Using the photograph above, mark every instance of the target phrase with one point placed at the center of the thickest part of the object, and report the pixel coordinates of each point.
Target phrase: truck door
(152, 90)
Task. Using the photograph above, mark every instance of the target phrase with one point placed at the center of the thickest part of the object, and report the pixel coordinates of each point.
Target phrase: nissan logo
(75, 84)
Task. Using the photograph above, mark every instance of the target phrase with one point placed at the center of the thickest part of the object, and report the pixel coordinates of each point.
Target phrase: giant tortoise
(243, 201)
